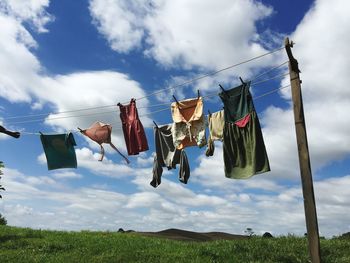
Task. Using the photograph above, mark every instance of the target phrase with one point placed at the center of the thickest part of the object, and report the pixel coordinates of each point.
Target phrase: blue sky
(66, 55)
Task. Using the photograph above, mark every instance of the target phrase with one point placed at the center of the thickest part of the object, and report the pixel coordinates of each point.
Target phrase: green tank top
(59, 150)
(238, 102)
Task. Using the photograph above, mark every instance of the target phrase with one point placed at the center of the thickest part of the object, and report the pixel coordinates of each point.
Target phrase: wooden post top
(293, 62)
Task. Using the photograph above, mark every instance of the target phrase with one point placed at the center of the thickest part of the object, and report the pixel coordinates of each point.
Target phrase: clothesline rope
(150, 113)
(210, 74)
(107, 112)
(114, 111)
(159, 91)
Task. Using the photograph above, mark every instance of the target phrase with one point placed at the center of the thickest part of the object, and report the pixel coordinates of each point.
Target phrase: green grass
(27, 245)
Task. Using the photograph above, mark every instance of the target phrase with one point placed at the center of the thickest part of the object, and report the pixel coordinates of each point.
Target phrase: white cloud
(89, 160)
(67, 175)
(216, 34)
(120, 22)
(236, 204)
(210, 173)
(172, 205)
(188, 33)
(23, 80)
(32, 11)
(93, 89)
(325, 95)
(86, 159)
(19, 67)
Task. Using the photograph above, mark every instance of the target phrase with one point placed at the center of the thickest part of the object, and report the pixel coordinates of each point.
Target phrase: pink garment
(243, 122)
(134, 133)
(101, 133)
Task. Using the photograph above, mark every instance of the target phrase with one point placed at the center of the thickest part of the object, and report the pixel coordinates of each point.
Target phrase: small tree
(249, 231)
(3, 220)
(1, 187)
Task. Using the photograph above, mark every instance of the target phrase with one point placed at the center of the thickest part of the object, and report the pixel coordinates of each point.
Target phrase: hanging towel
(59, 150)
(10, 133)
(134, 134)
(101, 133)
(216, 123)
(189, 123)
(243, 144)
(168, 156)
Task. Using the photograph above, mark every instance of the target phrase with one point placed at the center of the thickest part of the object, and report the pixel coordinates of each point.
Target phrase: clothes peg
(198, 93)
(241, 80)
(175, 99)
(155, 124)
(80, 129)
(209, 112)
(222, 88)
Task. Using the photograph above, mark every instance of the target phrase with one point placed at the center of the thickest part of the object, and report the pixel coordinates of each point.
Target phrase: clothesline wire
(159, 91)
(106, 112)
(275, 77)
(164, 109)
(271, 92)
(210, 74)
(255, 98)
(268, 71)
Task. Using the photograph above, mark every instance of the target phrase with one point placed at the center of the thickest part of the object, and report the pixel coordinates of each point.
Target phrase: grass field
(27, 245)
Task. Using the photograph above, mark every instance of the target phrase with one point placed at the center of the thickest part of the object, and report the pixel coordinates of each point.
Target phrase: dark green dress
(243, 144)
(59, 150)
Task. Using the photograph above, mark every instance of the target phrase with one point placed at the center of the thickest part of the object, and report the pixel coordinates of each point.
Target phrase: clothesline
(173, 87)
(164, 109)
(114, 111)
(210, 74)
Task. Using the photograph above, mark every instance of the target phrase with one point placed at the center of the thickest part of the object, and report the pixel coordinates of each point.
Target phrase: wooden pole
(304, 158)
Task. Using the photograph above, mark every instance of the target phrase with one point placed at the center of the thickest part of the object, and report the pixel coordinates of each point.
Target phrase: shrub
(1, 187)
(3, 220)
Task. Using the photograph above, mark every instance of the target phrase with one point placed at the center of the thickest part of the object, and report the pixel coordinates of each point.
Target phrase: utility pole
(304, 158)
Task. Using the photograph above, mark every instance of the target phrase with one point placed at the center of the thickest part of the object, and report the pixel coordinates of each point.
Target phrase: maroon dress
(134, 134)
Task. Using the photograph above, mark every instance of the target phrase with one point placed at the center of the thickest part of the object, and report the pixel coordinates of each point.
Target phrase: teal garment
(238, 102)
(243, 144)
(59, 150)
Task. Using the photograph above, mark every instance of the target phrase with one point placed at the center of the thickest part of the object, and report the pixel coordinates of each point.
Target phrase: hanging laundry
(216, 123)
(243, 144)
(101, 133)
(189, 123)
(134, 134)
(168, 156)
(59, 150)
(10, 133)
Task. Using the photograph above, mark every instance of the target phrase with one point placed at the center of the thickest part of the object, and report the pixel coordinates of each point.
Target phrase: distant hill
(184, 235)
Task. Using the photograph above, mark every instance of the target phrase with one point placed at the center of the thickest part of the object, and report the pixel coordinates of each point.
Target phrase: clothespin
(198, 93)
(175, 100)
(222, 88)
(209, 112)
(241, 80)
(155, 124)
(80, 129)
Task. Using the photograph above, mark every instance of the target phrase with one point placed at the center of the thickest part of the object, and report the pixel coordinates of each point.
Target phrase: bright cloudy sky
(66, 55)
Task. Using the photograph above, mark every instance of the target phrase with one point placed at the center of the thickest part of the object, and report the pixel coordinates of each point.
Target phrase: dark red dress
(134, 134)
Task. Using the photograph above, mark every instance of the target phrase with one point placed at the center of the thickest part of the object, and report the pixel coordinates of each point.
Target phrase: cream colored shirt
(189, 123)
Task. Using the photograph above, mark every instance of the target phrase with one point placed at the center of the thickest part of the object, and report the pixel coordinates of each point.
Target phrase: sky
(69, 56)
